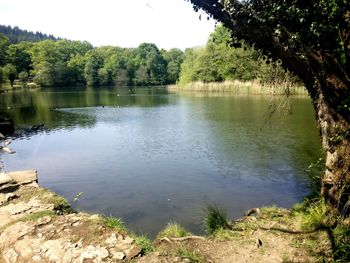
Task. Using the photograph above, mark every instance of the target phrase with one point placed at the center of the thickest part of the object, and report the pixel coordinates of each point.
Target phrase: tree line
(16, 35)
(65, 63)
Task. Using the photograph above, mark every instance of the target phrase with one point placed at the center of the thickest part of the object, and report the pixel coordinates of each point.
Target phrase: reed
(242, 87)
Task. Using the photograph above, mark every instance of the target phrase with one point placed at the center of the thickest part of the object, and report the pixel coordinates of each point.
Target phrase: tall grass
(215, 218)
(240, 87)
(173, 230)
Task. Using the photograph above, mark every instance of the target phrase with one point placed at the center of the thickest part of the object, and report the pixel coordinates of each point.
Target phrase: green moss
(173, 230)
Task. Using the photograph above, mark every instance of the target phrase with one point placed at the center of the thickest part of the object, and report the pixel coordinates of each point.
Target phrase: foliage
(316, 215)
(4, 43)
(144, 243)
(17, 35)
(215, 218)
(342, 243)
(173, 230)
(61, 204)
(115, 223)
(220, 61)
(2, 76)
(11, 73)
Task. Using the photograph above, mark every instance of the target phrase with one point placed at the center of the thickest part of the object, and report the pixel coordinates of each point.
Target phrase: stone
(95, 217)
(5, 218)
(4, 198)
(128, 240)
(24, 177)
(43, 221)
(10, 256)
(5, 178)
(132, 252)
(13, 233)
(117, 255)
(98, 253)
(112, 240)
(53, 250)
(36, 258)
(24, 247)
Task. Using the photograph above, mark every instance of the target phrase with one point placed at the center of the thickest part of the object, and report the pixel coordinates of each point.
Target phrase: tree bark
(335, 136)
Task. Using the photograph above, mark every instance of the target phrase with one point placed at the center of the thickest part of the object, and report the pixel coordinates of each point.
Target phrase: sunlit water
(151, 157)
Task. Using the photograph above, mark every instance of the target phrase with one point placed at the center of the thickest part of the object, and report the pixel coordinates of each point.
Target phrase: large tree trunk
(335, 135)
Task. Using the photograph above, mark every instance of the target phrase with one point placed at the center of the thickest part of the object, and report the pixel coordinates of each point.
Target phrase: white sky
(124, 23)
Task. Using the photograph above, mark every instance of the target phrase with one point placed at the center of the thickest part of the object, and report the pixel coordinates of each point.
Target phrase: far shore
(242, 87)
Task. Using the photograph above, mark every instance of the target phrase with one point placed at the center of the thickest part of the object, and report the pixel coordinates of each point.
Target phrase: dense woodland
(68, 63)
(16, 35)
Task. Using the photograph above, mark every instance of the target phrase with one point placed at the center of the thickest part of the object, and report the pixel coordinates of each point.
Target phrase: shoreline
(37, 225)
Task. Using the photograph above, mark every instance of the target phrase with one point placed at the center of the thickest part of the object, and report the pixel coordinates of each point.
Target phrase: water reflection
(151, 157)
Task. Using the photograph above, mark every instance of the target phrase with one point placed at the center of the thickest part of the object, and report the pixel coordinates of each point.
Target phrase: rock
(132, 252)
(10, 256)
(5, 178)
(13, 233)
(18, 208)
(112, 240)
(24, 177)
(95, 217)
(4, 198)
(36, 258)
(252, 212)
(97, 253)
(8, 150)
(128, 240)
(5, 218)
(116, 254)
(53, 250)
(43, 221)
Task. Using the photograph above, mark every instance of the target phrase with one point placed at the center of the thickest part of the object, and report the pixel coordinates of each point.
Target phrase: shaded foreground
(37, 225)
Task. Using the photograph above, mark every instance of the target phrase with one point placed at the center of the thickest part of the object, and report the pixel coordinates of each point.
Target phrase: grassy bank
(240, 87)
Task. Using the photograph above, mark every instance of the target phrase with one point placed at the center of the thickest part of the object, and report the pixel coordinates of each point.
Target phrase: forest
(60, 62)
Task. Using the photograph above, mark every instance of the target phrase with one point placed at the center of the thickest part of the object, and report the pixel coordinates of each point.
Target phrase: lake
(152, 157)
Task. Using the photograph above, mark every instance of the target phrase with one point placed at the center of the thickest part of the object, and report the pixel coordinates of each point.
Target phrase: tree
(19, 56)
(148, 56)
(92, 67)
(2, 77)
(312, 39)
(11, 73)
(174, 58)
(4, 43)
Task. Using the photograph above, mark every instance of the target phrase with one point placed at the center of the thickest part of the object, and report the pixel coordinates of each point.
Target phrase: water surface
(151, 157)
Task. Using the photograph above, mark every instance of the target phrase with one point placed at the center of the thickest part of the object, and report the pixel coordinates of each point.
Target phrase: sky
(125, 23)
